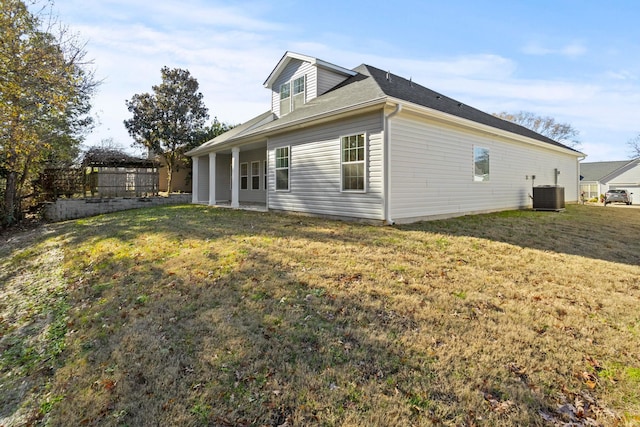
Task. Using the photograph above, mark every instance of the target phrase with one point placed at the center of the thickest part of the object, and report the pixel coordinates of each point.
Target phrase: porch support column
(194, 179)
(235, 177)
(212, 179)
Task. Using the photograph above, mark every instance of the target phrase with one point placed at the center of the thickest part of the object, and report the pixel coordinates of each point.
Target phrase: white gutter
(386, 162)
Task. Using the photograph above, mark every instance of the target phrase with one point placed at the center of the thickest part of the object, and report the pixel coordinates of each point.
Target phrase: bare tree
(563, 133)
(634, 145)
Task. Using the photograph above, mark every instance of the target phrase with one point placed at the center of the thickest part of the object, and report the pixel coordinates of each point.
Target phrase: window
(264, 171)
(298, 86)
(480, 164)
(255, 175)
(244, 176)
(282, 168)
(285, 91)
(589, 191)
(285, 101)
(298, 93)
(353, 163)
(292, 95)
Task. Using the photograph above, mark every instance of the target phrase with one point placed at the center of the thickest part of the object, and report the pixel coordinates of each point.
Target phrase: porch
(235, 178)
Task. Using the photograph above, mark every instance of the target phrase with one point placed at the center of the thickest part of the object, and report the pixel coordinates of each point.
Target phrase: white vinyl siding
(430, 170)
(327, 80)
(315, 170)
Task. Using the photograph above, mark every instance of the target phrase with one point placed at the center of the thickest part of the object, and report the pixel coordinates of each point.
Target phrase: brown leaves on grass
(497, 405)
(580, 409)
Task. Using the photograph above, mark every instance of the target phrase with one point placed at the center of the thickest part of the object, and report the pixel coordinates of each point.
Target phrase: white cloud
(231, 51)
(621, 75)
(571, 50)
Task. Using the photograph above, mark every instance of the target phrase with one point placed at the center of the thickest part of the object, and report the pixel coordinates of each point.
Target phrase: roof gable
(288, 56)
(604, 171)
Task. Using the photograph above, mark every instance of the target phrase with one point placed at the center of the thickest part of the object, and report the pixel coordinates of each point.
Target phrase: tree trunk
(169, 175)
(10, 209)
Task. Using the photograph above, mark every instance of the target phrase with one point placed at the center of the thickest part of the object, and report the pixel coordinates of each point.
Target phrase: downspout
(387, 164)
(579, 189)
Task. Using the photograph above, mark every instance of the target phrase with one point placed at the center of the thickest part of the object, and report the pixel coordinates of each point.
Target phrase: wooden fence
(100, 182)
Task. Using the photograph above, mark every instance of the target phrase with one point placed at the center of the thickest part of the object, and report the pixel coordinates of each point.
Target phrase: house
(599, 177)
(365, 143)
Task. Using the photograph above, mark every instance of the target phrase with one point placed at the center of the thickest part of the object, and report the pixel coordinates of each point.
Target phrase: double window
(289, 101)
(282, 168)
(353, 160)
(480, 164)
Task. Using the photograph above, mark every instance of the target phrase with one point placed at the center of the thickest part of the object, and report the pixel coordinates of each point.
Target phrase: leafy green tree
(45, 89)
(563, 133)
(207, 133)
(169, 120)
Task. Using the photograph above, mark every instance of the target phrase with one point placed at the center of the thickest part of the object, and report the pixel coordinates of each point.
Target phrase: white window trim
(244, 176)
(365, 161)
(256, 175)
(275, 169)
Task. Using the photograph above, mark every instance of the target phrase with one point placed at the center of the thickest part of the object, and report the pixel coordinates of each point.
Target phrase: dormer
(297, 79)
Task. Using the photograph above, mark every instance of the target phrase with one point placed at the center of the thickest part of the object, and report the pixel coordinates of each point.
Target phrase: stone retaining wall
(63, 209)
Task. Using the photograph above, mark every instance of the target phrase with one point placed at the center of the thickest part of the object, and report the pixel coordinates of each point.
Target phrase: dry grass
(200, 316)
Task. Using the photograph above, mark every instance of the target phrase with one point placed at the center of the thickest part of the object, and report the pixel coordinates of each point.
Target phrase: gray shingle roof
(368, 86)
(407, 90)
(596, 171)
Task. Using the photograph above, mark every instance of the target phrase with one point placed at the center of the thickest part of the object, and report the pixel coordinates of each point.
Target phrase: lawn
(197, 316)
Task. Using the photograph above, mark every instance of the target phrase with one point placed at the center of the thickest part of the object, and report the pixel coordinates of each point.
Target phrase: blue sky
(577, 61)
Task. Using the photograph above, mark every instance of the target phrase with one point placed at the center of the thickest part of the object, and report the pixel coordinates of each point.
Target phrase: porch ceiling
(244, 147)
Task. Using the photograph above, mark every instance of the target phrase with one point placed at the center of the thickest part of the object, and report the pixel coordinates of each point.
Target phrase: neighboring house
(181, 179)
(597, 178)
(367, 144)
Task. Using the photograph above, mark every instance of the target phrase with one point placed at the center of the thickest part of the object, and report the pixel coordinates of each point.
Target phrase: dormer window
(285, 98)
(298, 92)
(288, 103)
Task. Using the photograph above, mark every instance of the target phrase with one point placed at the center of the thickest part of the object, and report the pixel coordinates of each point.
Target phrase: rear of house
(367, 144)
